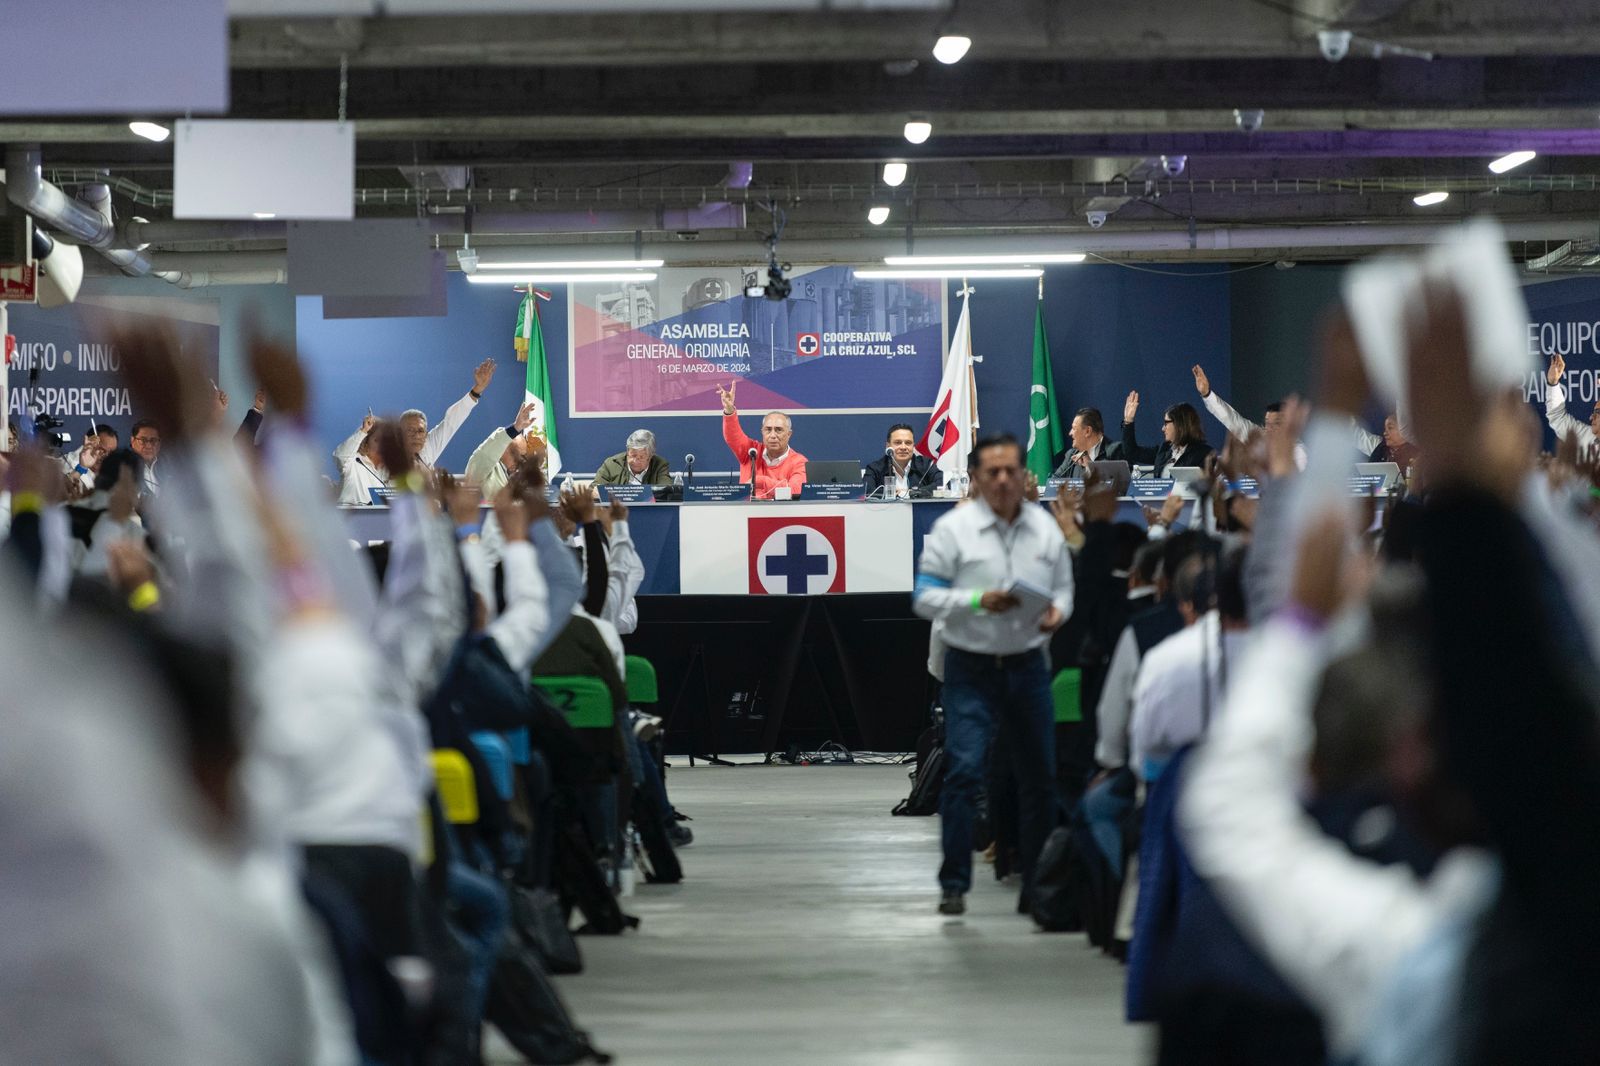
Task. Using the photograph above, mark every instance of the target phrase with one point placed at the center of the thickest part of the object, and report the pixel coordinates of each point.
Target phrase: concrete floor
(805, 931)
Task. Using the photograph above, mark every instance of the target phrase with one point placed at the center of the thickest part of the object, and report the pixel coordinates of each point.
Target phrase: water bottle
(566, 484)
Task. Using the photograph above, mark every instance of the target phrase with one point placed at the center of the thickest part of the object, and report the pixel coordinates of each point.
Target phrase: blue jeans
(980, 693)
(483, 913)
(1105, 805)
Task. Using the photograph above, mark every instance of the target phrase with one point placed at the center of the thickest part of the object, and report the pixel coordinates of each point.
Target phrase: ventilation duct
(88, 223)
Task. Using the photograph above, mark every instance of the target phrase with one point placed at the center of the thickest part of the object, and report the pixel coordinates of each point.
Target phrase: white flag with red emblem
(952, 429)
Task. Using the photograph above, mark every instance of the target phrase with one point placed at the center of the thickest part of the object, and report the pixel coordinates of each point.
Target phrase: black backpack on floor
(1073, 885)
(529, 1013)
(927, 780)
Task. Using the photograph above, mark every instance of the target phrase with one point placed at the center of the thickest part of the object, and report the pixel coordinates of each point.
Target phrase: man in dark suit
(1089, 444)
(906, 473)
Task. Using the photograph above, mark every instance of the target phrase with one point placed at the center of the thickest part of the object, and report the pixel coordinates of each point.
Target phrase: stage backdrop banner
(782, 549)
(64, 367)
(835, 346)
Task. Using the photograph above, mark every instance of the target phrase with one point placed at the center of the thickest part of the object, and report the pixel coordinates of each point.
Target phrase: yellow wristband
(26, 503)
(144, 597)
(413, 481)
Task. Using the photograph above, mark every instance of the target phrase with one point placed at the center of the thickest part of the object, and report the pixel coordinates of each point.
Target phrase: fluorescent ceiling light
(150, 131)
(1428, 199)
(263, 214)
(877, 214)
(918, 130)
(1020, 259)
(948, 272)
(554, 279)
(950, 47)
(894, 174)
(575, 264)
(1514, 159)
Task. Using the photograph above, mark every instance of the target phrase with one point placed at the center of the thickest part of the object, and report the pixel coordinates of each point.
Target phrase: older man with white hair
(638, 465)
(424, 444)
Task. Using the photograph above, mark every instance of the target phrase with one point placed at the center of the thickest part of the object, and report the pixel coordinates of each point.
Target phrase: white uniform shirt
(971, 551)
(1170, 707)
(1241, 427)
(438, 437)
(360, 478)
(1555, 410)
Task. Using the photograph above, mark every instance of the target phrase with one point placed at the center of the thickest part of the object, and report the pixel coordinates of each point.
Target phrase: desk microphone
(923, 479)
(888, 472)
(752, 454)
(688, 461)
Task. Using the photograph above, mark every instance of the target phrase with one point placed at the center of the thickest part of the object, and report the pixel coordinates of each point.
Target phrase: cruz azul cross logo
(808, 343)
(800, 556)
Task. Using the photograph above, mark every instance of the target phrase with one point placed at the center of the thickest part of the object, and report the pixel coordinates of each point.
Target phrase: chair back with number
(585, 701)
(641, 680)
(1066, 695)
(497, 756)
(452, 775)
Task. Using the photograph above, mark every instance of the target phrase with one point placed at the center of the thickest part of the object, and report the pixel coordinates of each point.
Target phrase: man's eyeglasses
(147, 440)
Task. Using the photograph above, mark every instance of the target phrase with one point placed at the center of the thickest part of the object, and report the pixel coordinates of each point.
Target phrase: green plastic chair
(641, 680)
(1066, 693)
(585, 701)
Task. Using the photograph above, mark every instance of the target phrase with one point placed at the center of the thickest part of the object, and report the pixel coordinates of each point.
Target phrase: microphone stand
(911, 493)
(882, 491)
(752, 454)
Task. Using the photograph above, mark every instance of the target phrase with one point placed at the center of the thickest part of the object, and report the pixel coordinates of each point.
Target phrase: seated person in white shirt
(1555, 409)
(84, 462)
(1237, 424)
(503, 452)
(907, 474)
(426, 445)
(364, 471)
(638, 464)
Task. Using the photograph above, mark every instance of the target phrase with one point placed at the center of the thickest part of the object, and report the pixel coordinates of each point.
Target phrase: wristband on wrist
(144, 597)
(475, 394)
(977, 601)
(80, 468)
(468, 530)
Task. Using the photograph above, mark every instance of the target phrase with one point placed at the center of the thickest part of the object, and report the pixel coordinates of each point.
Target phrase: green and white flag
(530, 346)
(1046, 437)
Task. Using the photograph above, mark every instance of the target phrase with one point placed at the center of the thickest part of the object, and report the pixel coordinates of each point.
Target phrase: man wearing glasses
(146, 441)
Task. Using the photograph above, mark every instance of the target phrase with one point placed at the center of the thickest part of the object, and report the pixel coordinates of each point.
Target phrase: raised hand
(278, 372)
(1318, 583)
(1558, 366)
(512, 514)
(1171, 509)
(368, 422)
(261, 401)
(128, 564)
(124, 496)
(169, 386)
(459, 498)
(481, 375)
(1280, 446)
(726, 396)
(1064, 509)
(578, 505)
(1130, 406)
(1202, 384)
(524, 417)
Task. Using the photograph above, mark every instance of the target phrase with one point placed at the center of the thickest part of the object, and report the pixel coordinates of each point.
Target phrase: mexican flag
(1046, 437)
(529, 343)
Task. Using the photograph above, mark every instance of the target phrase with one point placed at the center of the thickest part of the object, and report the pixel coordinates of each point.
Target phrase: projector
(777, 287)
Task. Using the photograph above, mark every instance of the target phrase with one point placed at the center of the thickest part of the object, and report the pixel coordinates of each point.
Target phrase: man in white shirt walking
(974, 563)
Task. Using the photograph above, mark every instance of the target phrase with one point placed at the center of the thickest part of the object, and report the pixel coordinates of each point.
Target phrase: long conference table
(781, 626)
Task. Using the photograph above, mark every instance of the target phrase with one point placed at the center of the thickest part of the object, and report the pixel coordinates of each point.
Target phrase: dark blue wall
(1111, 329)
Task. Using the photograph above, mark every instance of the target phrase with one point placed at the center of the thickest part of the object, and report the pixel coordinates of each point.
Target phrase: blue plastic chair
(521, 749)
(497, 756)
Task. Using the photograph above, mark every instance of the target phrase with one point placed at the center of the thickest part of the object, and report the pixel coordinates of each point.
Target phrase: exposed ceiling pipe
(715, 215)
(201, 279)
(26, 187)
(863, 251)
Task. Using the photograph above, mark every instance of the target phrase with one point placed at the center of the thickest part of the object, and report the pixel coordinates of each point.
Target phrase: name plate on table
(1365, 484)
(380, 497)
(828, 490)
(1245, 486)
(1150, 488)
(629, 493)
(715, 492)
(1053, 486)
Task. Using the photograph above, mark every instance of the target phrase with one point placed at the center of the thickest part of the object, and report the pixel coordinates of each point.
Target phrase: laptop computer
(833, 471)
(1389, 471)
(1115, 471)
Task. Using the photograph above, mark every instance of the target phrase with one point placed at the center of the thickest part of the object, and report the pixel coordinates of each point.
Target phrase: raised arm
(1555, 401)
(1136, 454)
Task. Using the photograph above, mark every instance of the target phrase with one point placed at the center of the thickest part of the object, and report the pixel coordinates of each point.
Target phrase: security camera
(1249, 119)
(1335, 44)
(467, 259)
(1097, 218)
(1172, 165)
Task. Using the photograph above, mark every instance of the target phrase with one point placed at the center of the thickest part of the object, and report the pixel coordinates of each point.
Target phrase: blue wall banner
(64, 367)
(835, 346)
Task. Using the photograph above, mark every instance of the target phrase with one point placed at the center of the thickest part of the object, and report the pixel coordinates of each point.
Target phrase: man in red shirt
(777, 466)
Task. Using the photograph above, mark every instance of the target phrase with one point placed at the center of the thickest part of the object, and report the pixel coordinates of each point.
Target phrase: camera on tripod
(46, 432)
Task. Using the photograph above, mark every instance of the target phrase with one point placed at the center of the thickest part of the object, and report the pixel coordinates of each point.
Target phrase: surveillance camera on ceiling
(1097, 218)
(1172, 165)
(1334, 44)
(1249, 119)
(467, 259)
